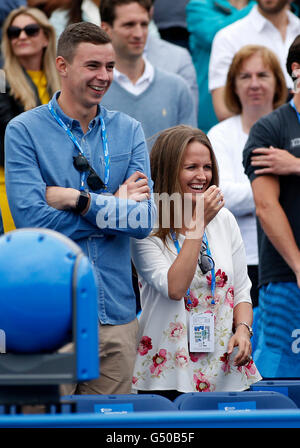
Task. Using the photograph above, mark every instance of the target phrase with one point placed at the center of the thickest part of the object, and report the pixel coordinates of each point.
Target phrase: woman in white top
(255, 86)
(192, 276)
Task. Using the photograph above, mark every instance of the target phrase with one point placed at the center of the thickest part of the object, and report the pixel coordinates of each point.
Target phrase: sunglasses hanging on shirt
(82, 165)
(205, 261)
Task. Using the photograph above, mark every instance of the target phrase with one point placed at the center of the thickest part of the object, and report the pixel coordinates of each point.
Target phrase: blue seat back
(119, 404)
(290, 388)
(229, 401)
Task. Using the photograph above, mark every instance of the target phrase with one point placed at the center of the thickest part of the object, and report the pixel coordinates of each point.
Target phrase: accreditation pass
(202, 332)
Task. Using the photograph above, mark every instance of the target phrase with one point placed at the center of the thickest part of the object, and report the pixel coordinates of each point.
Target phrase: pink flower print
(229, 297)
(210, 298)
(249, 369)
(159, 361)
(221, 278)
(145, 345)
(134, 380)
(194, 357)
(181, 358)
(190, 301)
(225, 360)
(176, 330)
(202, 384)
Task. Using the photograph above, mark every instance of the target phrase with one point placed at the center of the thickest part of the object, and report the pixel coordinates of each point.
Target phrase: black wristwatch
(82, 202)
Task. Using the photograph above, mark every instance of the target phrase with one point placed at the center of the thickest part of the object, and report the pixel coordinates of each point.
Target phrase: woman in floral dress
(192, 275)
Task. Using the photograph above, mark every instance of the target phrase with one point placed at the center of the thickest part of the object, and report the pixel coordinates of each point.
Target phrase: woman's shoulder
(225, 125)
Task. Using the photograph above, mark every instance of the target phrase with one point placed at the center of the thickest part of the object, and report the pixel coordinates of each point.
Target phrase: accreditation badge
(202, 332)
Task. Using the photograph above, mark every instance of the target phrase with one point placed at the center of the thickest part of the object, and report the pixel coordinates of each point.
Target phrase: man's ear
(107, 28)
(295, 66)
(61, 66)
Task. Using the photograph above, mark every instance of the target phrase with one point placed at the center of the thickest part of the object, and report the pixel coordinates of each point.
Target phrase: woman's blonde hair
(166, 160)
(20, 88)
(270, 60)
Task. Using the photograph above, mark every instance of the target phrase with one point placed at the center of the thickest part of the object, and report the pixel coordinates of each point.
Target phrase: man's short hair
(293, 55)
(78, 33)
(108, 7)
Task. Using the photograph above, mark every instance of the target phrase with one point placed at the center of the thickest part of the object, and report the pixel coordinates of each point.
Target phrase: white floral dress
(164, 361)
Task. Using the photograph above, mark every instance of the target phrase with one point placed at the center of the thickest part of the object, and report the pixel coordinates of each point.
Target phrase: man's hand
(62, 198)
(275, 161)
(135, 188)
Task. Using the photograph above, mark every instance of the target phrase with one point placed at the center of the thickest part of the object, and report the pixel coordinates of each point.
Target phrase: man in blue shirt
(82, 170)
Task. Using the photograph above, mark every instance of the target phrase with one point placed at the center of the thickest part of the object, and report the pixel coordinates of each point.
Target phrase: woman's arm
(182, 271)
(241, 338)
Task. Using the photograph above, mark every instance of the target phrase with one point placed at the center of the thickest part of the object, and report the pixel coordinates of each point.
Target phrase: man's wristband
(82, 202)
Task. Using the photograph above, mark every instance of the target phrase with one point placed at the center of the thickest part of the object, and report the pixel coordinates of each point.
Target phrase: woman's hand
(213, 202)
(241, 339)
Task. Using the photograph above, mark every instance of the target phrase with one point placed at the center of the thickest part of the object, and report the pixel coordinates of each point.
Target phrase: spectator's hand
(62, 198)
(274, 161)
(213, 202)
(135, 188)
(241, 340)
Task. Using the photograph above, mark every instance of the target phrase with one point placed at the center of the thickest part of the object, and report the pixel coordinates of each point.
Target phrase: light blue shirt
(39, 153)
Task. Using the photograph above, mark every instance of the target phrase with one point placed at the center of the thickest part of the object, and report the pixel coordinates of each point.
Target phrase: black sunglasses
(82, 165)
(205, 261)
(31, 30)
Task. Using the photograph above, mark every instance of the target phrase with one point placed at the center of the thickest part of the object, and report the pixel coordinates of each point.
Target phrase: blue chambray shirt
(39, 153)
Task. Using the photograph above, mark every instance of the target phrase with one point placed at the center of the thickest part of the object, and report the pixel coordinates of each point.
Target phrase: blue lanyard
(294, 107)
(213, 276)
(76, 143)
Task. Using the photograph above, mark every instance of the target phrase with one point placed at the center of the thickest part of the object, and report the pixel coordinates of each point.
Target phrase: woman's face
(196, 170)
(255, 83)
(25, 46)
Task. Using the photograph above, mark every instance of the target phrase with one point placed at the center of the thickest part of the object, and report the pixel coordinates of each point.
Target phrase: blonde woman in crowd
(29, 51)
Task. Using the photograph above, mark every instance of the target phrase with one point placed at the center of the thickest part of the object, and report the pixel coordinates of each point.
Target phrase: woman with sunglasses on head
(29, 51)
(195, 324)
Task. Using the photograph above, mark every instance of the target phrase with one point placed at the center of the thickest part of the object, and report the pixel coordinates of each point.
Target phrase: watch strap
(82, 201)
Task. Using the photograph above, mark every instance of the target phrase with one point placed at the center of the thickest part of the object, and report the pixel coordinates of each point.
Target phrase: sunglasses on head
(14, 32)
(93, 180)
(205, 261)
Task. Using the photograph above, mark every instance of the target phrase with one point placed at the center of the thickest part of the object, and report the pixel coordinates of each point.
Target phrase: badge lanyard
(294, 107)
(213, 276)
(76, 143)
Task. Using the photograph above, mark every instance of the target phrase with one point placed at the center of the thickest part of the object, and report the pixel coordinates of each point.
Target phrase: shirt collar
(71, 122)
(258, 21)
(146, 76)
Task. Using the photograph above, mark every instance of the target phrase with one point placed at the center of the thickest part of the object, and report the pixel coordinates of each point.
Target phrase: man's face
(129, 31)
(272, 6)
(88, 77)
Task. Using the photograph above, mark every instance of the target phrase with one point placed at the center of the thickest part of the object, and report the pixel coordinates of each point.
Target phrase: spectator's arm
(205, 19)
(266, 191)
